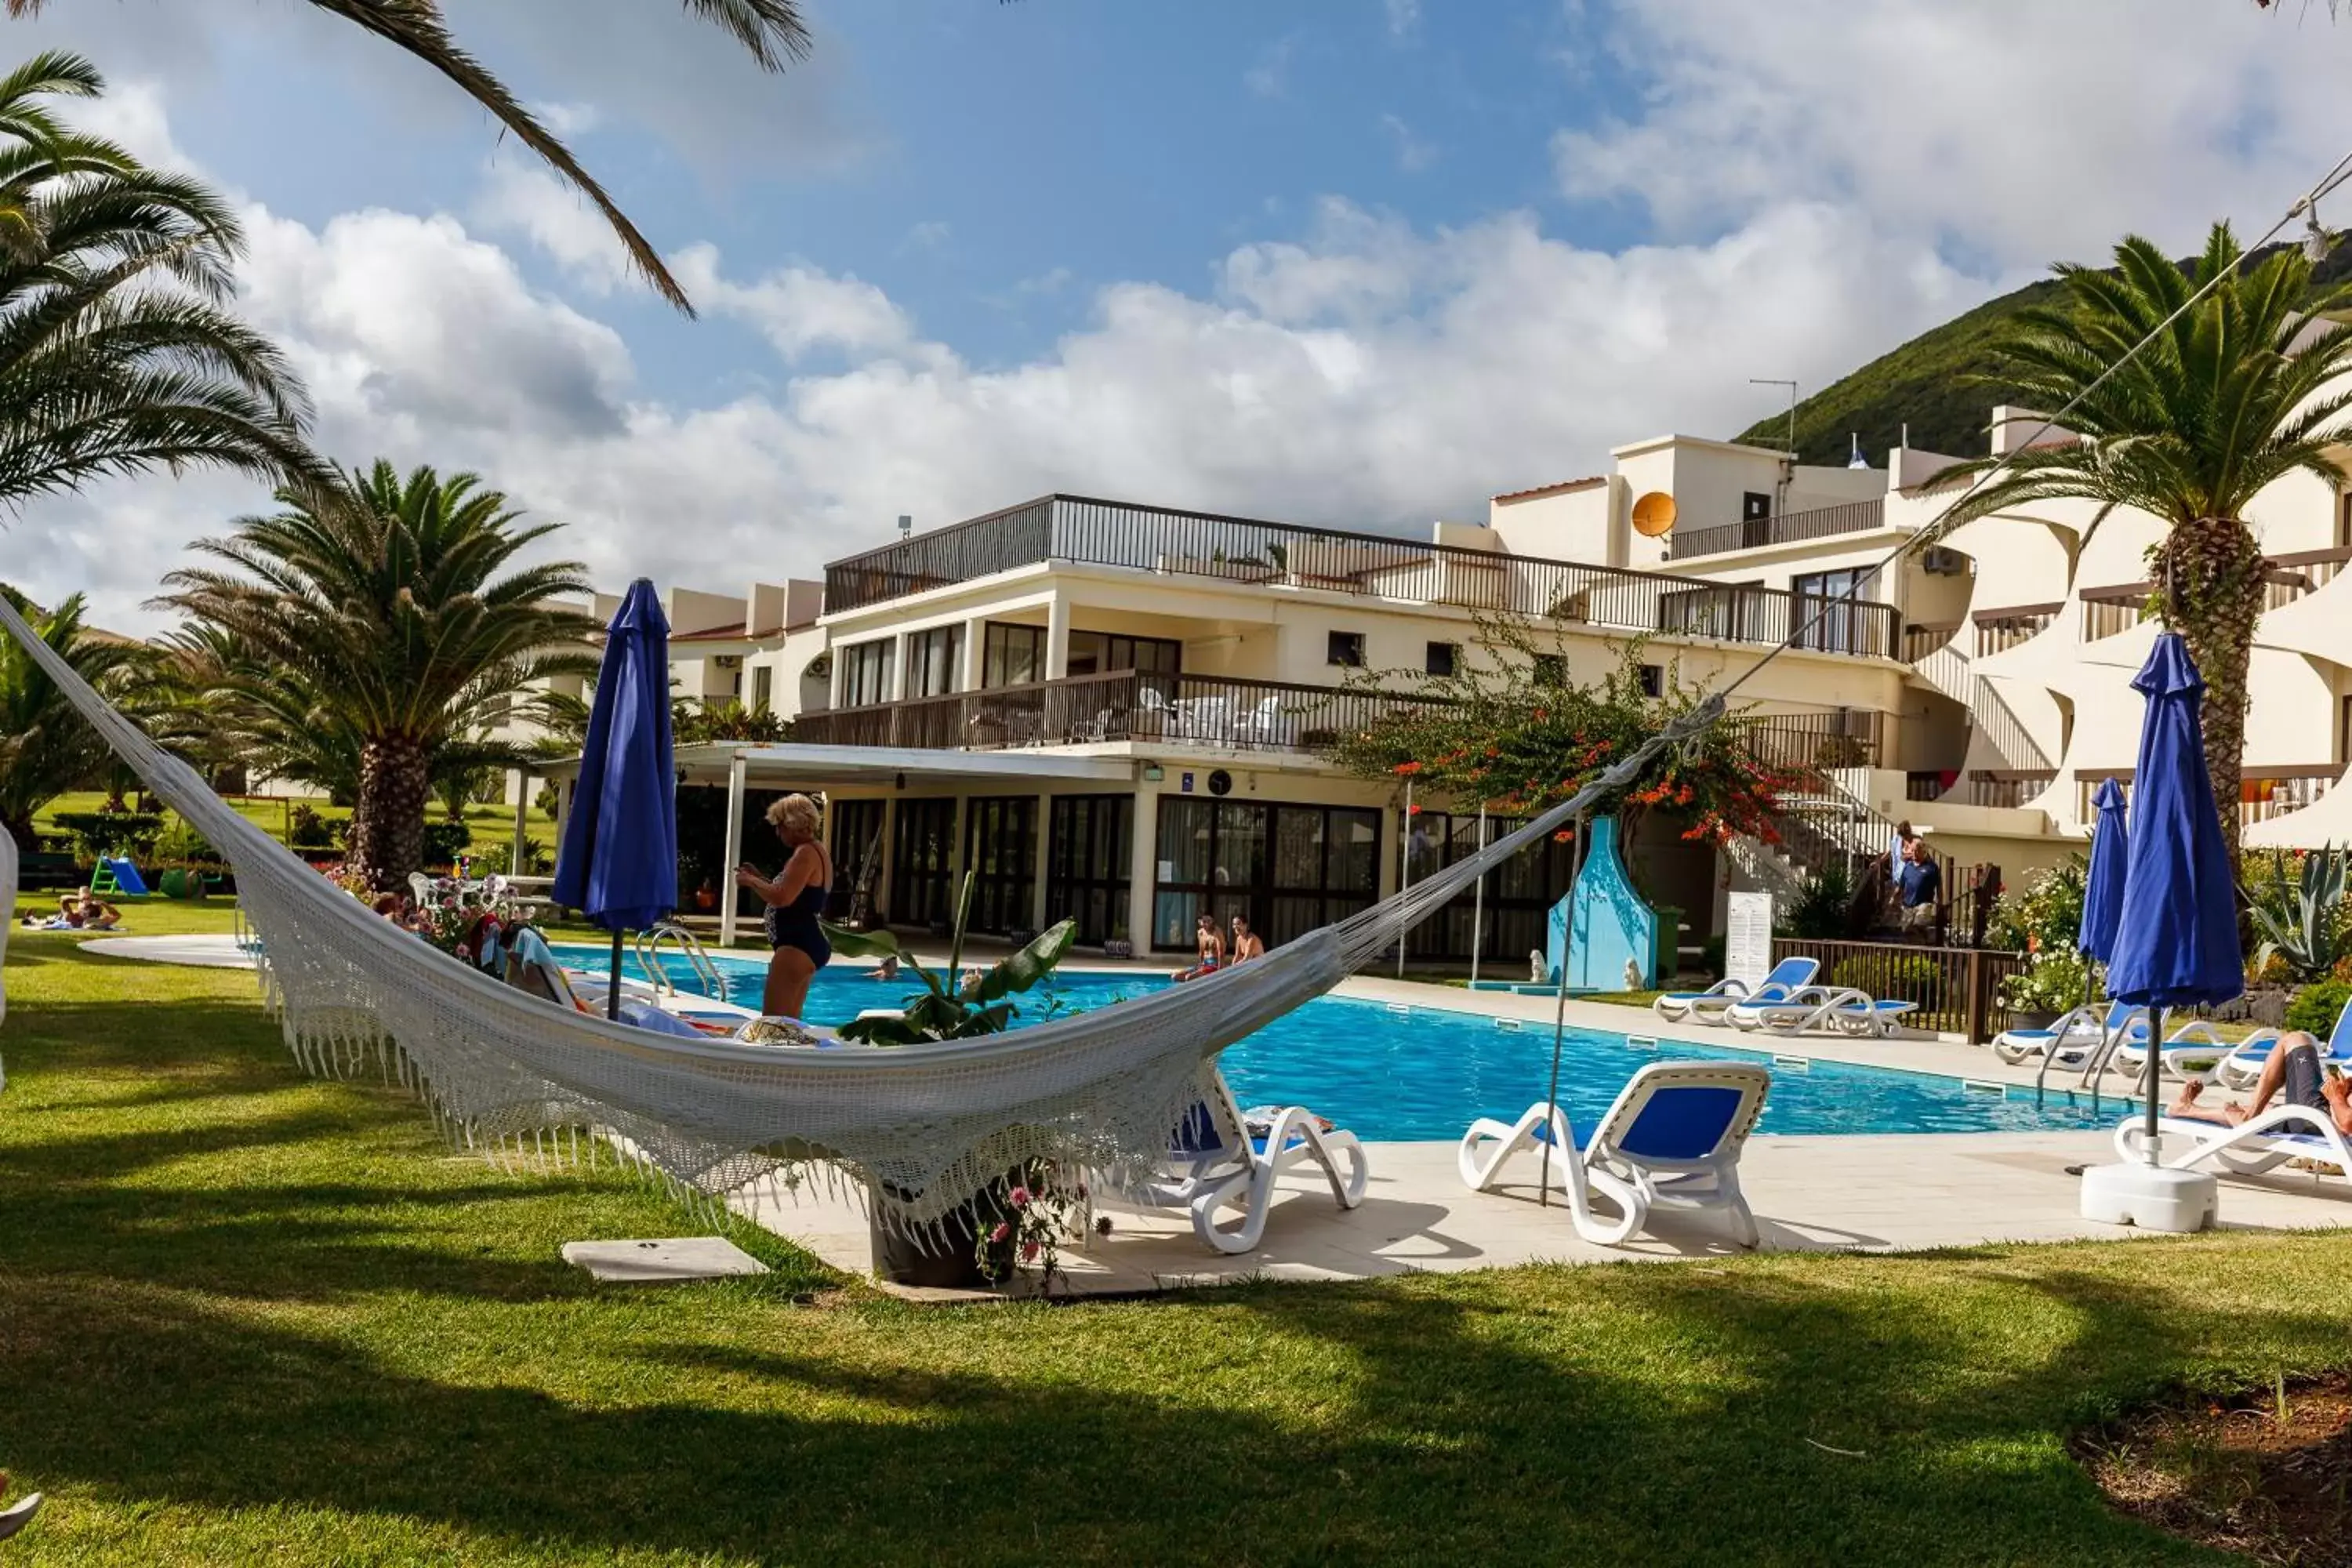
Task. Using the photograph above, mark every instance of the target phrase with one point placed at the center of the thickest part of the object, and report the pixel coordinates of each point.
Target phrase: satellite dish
(1654, 514)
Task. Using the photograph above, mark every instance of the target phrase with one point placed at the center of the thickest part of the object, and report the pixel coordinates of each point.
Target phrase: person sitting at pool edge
(2292, 1070)
(1246, 942)
(1210, 947)
(886, 970)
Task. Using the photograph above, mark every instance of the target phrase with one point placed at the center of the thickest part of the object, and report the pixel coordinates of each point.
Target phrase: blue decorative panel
(1610, 923)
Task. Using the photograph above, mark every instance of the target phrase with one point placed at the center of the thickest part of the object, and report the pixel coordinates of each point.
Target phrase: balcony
(1221, 712)
(2265, 791)
(1790, 528)
(2006, 787)
(2108, 612)
(1280, 555)
(1999, 630)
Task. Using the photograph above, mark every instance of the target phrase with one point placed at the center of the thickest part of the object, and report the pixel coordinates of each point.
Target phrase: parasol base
(2151, 1197)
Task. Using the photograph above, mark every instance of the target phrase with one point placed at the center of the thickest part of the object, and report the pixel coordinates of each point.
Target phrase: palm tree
(771, 31)
(2230, 397)
(46, 748)
(378, 604)
(116, 356)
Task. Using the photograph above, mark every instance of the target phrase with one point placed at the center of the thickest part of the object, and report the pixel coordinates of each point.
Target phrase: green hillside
(1930, 382)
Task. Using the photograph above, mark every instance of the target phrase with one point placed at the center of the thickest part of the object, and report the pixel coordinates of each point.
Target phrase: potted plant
(993, 1235)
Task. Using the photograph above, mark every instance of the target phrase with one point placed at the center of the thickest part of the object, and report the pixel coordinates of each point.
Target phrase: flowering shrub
(2042, 923)
(1030, 1221)
(1519, 736)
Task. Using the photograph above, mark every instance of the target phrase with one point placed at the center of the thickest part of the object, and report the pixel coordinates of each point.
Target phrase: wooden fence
(1958, 988)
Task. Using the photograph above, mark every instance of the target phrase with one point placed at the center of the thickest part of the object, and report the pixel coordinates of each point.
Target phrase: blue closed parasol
(2103, 887)
(2177, 927)
(618, 862)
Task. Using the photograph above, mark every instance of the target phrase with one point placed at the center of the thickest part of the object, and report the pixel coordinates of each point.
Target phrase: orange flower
(1408, 767)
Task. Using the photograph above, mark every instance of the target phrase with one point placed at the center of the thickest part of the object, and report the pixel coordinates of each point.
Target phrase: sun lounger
(2073, 1039)
(1218, 1158)
(1788, 977)
(2191, 1052)
(1671, 1140)
(2244, 1066)
(1821, 1009)
(2261, 1143)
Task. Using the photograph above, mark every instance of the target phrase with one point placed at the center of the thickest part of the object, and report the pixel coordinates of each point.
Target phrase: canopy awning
(806, 766)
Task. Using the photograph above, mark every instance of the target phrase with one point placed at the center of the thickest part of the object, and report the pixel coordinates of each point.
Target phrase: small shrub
(2314, 1007)
(309, 830)
(1911, 978)
(445, 841)
(497, 860)
(102, 832)
(1819, 911)
(180, 845)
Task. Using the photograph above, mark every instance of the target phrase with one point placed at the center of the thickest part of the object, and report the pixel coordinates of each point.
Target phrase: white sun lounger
(2242, 1068)
(1821, 1009)
(2073, 1038)
(2281, 1133)
(1672, 1140)
(2192, 1052)
(1788, 977)
(1214, 1161)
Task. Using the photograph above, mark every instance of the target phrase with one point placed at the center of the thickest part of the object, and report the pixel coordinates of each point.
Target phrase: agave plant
(952, 1009)
(2300, 920)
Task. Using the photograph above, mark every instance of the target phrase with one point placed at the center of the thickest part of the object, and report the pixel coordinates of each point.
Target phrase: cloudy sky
(1358, 265)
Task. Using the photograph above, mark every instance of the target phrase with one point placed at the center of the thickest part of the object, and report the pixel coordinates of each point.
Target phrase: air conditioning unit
(1938, 561)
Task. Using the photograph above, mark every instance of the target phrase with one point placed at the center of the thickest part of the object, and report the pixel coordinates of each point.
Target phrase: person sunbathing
(96, 914)
(2292, 1071)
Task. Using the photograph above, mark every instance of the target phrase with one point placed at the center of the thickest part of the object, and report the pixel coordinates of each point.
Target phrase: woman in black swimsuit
(794, 897)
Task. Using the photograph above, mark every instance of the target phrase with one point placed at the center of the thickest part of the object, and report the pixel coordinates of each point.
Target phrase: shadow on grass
(322, 1309)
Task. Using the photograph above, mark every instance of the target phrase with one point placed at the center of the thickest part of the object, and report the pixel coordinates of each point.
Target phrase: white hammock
(924, 1127)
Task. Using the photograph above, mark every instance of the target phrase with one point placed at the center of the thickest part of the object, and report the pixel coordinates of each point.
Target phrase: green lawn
(250, 1318)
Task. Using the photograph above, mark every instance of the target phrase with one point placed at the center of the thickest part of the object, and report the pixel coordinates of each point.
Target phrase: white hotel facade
(1113, 711)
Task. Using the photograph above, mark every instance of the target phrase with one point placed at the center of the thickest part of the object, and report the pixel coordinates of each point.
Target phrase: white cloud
(1404, 17)
(1412, 153)
(1269, 75)
(1828, 180)
(2020, 133)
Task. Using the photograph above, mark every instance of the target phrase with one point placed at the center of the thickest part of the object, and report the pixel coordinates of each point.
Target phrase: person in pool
(1210, 944)
(2292, 1071)
(794, 896)
(1247, 944)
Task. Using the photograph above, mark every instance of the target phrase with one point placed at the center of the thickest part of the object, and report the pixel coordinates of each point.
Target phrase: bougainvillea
(1515, 733)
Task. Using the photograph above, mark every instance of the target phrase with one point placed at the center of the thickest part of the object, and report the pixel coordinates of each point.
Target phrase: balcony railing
(1219, 711)
(2010, 787)
(1275, 554)
(1805, 743)
(1789, 527)
(2106, 612)
(2265, 791)
(1999, 630)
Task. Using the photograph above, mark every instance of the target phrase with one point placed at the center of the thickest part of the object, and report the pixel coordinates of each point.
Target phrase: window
(1440, 657)
(865, 673)
(1346, 649)
(1011, 656)
(1755, 518)
(1510, 918)
(1653, 679)
(856, 845)
(919, 852)
(934, 661)
(1108, 653)
(763, 689)
(1828, 610)
(1087, 864)
(1551, 669)
(1001, 853)
(1288, 869)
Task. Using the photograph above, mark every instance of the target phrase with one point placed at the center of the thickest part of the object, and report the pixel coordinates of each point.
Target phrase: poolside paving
(1874, 1193)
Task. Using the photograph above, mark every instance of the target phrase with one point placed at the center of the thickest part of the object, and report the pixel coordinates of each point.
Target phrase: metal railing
(2007, 787)
(1086, 531)
(1789, 527)
(1225, 713)
(2263, 791)
(1833, 738)
(2006, 732)
(1928, 783)
(1999, 630)
(1922, 638)
(1957, 989)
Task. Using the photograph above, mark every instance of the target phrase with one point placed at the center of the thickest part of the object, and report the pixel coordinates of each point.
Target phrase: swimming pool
(1394, 1073)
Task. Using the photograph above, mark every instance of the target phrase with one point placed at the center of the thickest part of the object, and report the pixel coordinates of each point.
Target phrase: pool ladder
(697, 957)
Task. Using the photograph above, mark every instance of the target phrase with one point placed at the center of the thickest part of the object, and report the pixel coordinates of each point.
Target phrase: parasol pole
(1478, 904)
(1560, 1019)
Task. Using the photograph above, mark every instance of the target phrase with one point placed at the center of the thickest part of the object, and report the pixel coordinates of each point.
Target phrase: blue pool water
(1387, 1073)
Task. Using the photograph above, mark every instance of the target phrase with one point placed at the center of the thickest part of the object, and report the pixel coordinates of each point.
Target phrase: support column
(975, 646)
(1057, 637)
(899, 668)
(1144, 867)
(732, 854)
(1044, 859)
(522, 822)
